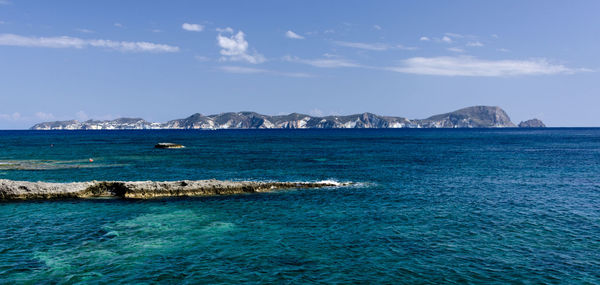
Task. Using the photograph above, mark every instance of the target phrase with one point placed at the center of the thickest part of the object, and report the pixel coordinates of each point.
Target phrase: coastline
(25, 190)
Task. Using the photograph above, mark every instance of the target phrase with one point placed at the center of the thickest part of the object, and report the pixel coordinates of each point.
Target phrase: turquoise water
(433, 206)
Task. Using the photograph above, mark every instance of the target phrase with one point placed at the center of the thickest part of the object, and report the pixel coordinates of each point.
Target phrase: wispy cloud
(72, 42)
(5, 2)
(192, 27)
(454, 35)
(235, 48)
(372, 46)
(242, 69)
(85, 31)
(251, 70)
(424, 39)
(290, 34)
(11, 117)
(225, 30)
(322, 62)
(471, 66)
(405, 47)
(365, 46)
(118, 25)
(455, 49)
(377, 27)
(44, 116)
(446, 39)
(475, 44)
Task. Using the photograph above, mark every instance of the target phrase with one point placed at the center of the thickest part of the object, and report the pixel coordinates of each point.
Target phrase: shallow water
(431, 206)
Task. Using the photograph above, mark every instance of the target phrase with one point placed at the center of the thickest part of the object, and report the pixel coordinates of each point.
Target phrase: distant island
(470, 117)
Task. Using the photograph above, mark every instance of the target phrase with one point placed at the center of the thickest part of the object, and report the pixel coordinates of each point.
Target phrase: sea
(425, 206)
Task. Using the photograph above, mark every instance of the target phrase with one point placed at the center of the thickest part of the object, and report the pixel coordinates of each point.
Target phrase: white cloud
(446, 39)
(156, 30)
(225, 30)
(377, 27)
(474, 44)
(292, 35)
(424, 39)
(405, 47)
(456, 49)
(454, 35)
(44, 116)
(118, 25)
(471, 66)
(192, 27)
(85, 31)
(235, 48)
(323, 62)
(72, 42)
(503, 50)
(251, 70)
(11, 117)
(372, 46)
(366, 46)
(242, 69)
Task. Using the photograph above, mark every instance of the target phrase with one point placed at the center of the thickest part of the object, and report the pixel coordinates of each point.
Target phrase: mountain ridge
(469, 117)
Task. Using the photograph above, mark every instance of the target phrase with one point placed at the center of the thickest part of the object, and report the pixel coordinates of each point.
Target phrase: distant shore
(470, 117)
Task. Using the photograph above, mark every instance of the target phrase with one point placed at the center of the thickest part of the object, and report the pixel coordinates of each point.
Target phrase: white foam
(333, 182)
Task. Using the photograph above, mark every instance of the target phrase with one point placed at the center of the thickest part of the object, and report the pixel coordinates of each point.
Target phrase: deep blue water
(429, 206)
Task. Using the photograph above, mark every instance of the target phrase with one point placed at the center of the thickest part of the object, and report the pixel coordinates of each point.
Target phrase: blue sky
(163, 60)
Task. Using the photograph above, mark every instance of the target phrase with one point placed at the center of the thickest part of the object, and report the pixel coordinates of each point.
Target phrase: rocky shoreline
(24, 190)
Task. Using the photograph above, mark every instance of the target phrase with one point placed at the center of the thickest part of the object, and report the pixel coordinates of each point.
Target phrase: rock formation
(533, 123)
(23, 190)
(471, 117)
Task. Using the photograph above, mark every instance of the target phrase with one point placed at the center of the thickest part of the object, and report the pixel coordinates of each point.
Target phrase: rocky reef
(24, 190)
(533, 123)
(470, 117)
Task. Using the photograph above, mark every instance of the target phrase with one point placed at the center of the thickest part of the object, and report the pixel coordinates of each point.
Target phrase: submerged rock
(533, 123)
(24, 190)
(168, 145)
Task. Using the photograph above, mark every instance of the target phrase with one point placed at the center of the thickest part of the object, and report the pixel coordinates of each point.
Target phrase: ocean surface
(426, 206)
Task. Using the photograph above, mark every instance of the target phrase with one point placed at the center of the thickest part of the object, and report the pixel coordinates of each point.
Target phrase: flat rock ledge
(24, 190)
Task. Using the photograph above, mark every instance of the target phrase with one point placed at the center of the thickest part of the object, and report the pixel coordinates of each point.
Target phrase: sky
(163, 60)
